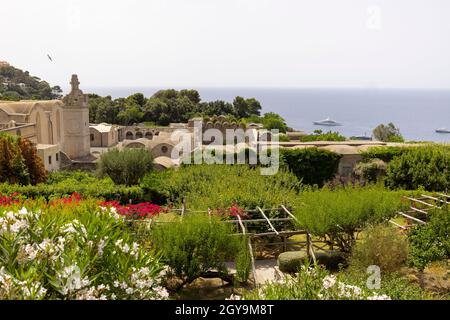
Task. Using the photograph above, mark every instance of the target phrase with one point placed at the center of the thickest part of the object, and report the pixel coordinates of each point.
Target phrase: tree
(215, 108)
(272, 120)
(19, 162)
(387, 133)
(138, 99)
(131, 114)
(192, 95)
(245, 108)
(127, 166)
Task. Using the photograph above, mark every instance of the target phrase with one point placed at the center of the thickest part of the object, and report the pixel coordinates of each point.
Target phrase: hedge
(422, 167)
(102, 188)
(384, 153)
(313, 166)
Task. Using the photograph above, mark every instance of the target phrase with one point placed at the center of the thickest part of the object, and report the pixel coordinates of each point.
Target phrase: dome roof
(165, 162)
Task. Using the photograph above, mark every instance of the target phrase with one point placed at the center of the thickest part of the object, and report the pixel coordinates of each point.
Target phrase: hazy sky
(297, 43)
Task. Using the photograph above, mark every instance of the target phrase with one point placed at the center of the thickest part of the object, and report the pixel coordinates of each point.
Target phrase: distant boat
(442, 130)
(361, 138)
(327, 122)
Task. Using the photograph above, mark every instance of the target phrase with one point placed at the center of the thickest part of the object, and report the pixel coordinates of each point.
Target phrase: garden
(176, 234)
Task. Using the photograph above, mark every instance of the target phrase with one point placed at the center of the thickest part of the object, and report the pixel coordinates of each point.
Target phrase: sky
(231, 43)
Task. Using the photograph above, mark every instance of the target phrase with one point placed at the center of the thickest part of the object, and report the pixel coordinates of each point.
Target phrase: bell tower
(76, 122)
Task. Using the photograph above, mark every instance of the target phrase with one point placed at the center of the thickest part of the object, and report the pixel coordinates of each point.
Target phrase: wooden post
(284, 244)
(183, 208)
(309, 247)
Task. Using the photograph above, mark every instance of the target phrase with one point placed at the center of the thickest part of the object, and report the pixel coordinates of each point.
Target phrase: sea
(417, 113)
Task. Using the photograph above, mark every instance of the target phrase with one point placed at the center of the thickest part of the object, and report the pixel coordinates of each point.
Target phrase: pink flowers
(137, 211)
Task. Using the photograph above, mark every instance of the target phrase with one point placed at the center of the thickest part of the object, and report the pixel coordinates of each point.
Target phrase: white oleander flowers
(74, 256)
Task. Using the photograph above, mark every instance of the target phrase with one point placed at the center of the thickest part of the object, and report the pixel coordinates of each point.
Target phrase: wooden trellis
(282, 226)
(419, 208)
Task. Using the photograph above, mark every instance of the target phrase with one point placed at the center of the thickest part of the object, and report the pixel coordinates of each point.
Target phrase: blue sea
(418, 113)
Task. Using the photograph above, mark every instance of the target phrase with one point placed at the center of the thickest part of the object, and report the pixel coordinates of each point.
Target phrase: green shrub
(382, 245)
(126, 166)
(427, 167)
(371, 171)
(195, 244)
(385, 154)
(338, 214)
(291, 261)
(430, 242)
(319, 135)
(243, 261)
(312, 166)
(100, 188)
(220, 186)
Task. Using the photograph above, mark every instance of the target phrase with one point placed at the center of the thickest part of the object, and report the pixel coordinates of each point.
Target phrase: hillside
(16, 84)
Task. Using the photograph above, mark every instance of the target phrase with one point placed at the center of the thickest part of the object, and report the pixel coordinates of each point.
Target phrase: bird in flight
(50, 58)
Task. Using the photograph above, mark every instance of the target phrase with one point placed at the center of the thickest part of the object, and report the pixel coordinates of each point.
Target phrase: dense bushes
(311, 165)
(74, 250)
(315, 283)
(127, 166)
(430, 242)
(425, 167)
(220, 186)
(64, 183)
(383, 246)
(338, 214)
(371, 171)
(319, 135)
(196, 244)
(383, 153)
(19, 162)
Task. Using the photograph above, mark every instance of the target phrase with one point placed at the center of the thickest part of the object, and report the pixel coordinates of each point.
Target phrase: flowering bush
(5, 200)
(75, 252)
(315, 283)
(136, 211)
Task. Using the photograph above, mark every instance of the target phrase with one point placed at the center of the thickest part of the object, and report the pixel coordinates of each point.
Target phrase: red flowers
(137, 211)
(73, 199)
(231, 212)
(234, 211)
(9, 200)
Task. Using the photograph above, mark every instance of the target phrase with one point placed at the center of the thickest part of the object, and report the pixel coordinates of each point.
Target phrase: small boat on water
(442, 130)
(327, 122)
(366, 138)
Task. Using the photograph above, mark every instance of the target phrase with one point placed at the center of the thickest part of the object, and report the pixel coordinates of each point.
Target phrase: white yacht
(327, 122)
(442, 130)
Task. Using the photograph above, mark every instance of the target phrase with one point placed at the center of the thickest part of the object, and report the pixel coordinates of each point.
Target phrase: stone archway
(149, 135)
(129, 135)
(139, 135)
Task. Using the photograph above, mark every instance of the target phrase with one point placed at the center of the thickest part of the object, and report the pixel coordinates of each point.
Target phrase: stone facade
(52, 125)
(76, 119)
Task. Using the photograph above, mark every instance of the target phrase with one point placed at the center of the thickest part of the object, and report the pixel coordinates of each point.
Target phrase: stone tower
(76, 122)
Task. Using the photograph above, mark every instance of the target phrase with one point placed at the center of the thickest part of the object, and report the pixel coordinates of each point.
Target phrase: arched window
(92, 137)
(139, 135)
(149, 135)
(129, 135)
